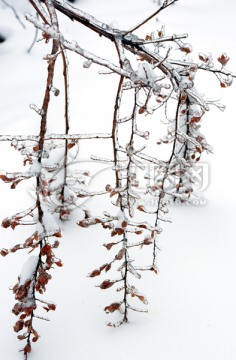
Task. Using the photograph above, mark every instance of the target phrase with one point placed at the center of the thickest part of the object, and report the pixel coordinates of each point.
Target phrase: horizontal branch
(89, 21)
(130, 42)
(202, 67)
(145, 157)
(55, 137)
(75, 47)
(162, 39)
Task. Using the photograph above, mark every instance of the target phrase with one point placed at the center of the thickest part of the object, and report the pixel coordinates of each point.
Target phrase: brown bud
(27, 348)
(120, 254)
(113, 307)
(106, 284)
(94, 273)
(18, 326)
(109, 245)
(223, 59)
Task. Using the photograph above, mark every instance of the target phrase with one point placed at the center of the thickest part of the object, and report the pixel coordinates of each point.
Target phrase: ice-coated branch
(160, 40)
(75, 47)
(202, 67)
(67, 128)
(34, 275)
(40, 11)
(154, 80)
(55, 137)
(134, 44)
(89, 21)
(161, 200)
(52, 14)
(102, 29)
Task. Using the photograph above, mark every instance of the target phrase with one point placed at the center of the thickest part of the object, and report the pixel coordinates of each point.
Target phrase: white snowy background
(192, 302)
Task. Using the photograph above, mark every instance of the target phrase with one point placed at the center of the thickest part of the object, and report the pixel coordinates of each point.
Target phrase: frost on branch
(160, 81)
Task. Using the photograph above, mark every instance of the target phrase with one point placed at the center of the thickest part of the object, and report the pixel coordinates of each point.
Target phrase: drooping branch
(34, 275)
(155, 81)
(161, 202)
(64, 209)
(39, 270)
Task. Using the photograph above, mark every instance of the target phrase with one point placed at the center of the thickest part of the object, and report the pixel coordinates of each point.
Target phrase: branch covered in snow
(160, 80)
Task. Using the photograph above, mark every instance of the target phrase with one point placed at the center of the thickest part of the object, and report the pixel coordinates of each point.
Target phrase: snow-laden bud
(121, 223)
(156, 89)
(87, 64)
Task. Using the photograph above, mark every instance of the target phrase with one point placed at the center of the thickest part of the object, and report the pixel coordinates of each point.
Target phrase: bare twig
(163, 6)
(15, 13)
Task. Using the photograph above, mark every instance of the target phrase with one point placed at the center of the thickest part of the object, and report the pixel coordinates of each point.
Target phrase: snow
(35, 167)
(192, 301)
(49, 221)
(145, 71)
(28, 269)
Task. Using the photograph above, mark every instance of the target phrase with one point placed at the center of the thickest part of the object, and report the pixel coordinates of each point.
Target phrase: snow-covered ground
(192, 302)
